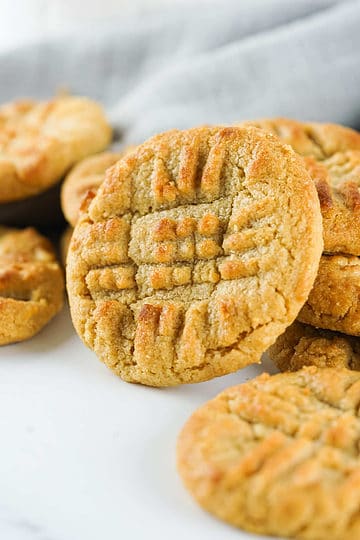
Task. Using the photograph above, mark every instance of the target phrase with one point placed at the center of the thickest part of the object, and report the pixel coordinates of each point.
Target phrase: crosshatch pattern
(179, 269)
(279, 454)
(332, 157)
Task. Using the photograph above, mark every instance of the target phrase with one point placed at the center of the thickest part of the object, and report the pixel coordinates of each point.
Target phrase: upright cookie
(86, 175)
(332, 155)
(279, 455)
(197, 251)
(31, 284)
(334, 301)
(304, 345)
(40, 141)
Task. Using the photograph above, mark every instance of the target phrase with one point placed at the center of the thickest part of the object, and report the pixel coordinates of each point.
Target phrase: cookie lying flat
(40, 141)
(86, 175)
(334, 301)
(279, 455)
(197, 251)
(332, 155)
(304, 345)
(31, 284)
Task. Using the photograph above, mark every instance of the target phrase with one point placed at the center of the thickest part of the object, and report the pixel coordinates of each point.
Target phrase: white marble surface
(85, 456)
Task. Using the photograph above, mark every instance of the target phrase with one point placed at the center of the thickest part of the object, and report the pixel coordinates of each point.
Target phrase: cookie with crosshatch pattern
(332, 156)
(197, 251)
(279, 455)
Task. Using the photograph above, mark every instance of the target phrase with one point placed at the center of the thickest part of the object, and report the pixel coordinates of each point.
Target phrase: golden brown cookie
(197, 251)
(318, 140)
(332, 155)
(334, 301)
(304, 345)
(86, 175)
(31, 284)
(65, 243)
(279, 455)
(40, 141)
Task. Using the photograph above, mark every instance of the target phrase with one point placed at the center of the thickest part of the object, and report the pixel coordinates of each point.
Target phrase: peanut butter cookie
(334, 301)
(31, 284)
(279, 455)
(40, 141)
(332, 155)
(197, 251)
(304, 345)
(86, 175)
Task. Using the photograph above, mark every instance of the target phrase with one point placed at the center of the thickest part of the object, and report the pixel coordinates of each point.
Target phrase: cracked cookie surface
(31, 284)
(197, 251)
(40, 141)
(334, 300)
(86, 175)
(304, 345)
(279, 455)
(332, 156)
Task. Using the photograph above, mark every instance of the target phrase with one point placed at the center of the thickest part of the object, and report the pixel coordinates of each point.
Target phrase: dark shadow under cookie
(42, 211)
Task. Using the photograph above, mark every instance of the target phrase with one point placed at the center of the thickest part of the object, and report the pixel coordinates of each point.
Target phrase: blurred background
(24, 21)
(159, 64)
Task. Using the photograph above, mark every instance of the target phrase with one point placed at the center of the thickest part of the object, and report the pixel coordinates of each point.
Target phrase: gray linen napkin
(207, 63)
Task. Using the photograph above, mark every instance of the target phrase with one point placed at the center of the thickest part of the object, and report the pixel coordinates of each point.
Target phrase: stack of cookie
(198, 250)
(280, 455)
(172, 260)
(190, 256)
(39, 142)
(325, 330)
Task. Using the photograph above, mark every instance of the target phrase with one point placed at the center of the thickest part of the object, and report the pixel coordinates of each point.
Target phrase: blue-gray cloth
(212, 62)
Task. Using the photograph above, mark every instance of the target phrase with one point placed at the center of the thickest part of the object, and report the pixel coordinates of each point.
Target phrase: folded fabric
(205, 63)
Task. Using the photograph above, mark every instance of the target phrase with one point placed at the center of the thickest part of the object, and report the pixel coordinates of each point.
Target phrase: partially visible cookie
(332, 155)
(40, 141)
(197, 251)
(86, 175)
(304, 345)
(334, 301)
(318, 140)
(337, 180)
(31, 284)
(279, 455)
